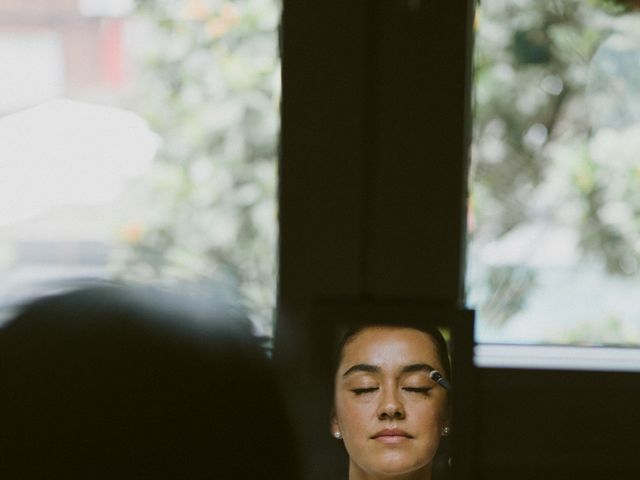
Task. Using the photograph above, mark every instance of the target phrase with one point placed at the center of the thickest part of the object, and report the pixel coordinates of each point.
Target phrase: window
(138, 142)
(554, 223)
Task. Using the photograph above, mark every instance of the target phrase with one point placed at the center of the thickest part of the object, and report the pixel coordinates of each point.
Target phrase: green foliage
(209, 85)
(509, 286)
(607, 331)
(557, 84)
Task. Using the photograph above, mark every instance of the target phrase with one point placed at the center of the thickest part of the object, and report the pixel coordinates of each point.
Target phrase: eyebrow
(362, 367)
(418, 367)
(365, 367)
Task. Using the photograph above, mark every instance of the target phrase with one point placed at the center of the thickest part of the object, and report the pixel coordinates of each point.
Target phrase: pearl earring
(338, 435)
(445, 431)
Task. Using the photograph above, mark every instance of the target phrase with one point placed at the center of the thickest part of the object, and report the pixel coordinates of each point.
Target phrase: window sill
(548, 357)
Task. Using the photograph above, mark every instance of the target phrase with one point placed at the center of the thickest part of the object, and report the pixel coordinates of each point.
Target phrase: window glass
(138, 142)
(554, 217)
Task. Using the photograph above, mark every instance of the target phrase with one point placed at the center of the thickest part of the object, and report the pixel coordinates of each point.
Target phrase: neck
(356, 473)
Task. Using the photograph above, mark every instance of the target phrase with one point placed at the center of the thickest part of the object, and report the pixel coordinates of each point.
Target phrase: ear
(444, 418)
(445, 414)
(446, 421)
(334, 426)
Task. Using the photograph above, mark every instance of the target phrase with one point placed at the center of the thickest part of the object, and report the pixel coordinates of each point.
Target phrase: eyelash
(360, 391)
(422, 390)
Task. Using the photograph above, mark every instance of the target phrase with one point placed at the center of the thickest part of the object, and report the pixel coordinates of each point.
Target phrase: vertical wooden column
(372, 177)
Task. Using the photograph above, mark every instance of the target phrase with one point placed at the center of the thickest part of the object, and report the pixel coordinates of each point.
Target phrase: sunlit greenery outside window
(554, 217)
(198, 81)
(209, 85)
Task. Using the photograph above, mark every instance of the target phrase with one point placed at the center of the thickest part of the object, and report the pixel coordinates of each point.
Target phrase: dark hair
(113, 382)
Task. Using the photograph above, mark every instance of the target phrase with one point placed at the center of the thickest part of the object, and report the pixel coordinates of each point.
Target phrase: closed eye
(422, 390)
(361, 391)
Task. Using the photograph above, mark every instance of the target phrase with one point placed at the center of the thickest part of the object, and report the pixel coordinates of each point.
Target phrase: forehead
(390, 347)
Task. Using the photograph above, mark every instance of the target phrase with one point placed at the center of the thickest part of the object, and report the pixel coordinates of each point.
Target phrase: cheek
(432, 416)
(353, 416)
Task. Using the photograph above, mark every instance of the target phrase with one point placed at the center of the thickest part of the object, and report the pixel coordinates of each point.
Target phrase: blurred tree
(209, 85)
(609, 331)
(555, 123)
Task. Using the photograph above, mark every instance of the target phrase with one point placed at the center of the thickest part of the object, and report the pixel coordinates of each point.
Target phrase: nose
(391, 407)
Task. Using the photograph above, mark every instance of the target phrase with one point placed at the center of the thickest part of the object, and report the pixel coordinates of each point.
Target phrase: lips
(391, 436)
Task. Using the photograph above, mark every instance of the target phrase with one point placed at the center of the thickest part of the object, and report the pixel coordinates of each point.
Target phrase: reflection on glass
(140, 145)
(554, 224)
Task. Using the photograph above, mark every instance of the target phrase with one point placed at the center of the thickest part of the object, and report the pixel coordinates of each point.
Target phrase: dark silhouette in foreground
(111, 382)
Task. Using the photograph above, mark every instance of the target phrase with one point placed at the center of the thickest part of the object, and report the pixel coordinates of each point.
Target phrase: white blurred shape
(552, 84)
(31, 68)
(613, 92)
(620, 146)
(105, 8)
(69, 153)
(536, 135)
(536, 245)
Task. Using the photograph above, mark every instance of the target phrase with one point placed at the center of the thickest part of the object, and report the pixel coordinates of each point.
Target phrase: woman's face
(389, 412)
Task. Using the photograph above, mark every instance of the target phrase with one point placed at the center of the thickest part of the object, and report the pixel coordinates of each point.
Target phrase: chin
(397, 465)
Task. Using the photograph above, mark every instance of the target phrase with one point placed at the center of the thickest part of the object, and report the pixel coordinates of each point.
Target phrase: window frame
(359, 225)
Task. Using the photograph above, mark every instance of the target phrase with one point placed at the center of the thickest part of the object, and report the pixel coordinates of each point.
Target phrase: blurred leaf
(209, 86)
